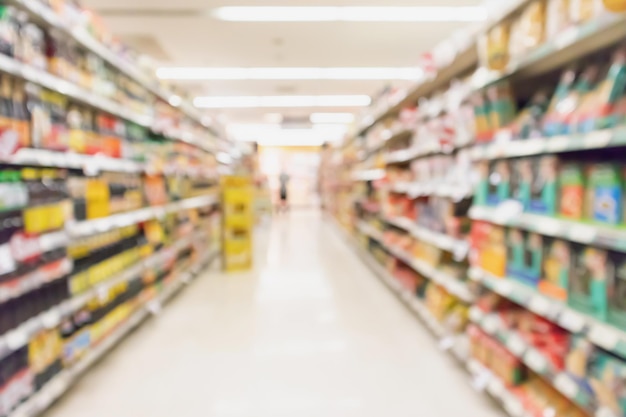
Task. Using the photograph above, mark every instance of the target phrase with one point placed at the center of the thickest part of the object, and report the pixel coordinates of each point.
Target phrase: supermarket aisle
(309, 333)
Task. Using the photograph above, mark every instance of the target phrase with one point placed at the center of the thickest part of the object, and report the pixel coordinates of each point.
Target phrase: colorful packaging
(527, 124)
(587, 283)
(525, 256)
(585, 10)
(556, 264)
(484, 130)
(539, 184)
(557, 17)
(606, 192)
(502, 107)
(598, 109)
(498, 46)
(498, 183)
(616, 289)
(572, 191)
(532, 25)
(616, 6)
(563, 102)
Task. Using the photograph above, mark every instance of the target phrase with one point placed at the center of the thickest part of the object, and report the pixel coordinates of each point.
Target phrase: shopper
(284, 182)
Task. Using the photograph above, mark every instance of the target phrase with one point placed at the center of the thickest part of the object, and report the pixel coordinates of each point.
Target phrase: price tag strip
(601, 334)
(592, 140)
(607, 237)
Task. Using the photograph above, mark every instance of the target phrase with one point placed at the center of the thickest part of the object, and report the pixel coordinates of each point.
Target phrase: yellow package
(558, 17)
(583, 11)
(532, 25)
(616, 6)
(498, 46)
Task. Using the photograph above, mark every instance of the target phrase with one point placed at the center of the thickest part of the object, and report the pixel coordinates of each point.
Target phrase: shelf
(531, 357)
(39, 12)
(61, 86)
(44, 274)
(19, 337)
(463, 62)
(487, 381)
(601, 334)
(370, 231)
(458, 247)
(95, 163)
(453, 343)
(391, 136)
(608, 138)
(116, 221)
(435, 188)
(589, 234)
(61, 383)
(450, 283)
(569, 46)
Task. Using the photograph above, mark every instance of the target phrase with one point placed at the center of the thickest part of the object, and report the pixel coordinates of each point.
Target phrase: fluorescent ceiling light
(290, 142)
(287, 73)
(351, 14)
(273, 118)
(281, 101)
(265, 134)
(332, 118)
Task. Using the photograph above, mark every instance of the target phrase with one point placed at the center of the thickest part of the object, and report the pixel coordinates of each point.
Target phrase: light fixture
(320, 118)
(351, 14)
(277, 136)
(282, 101)
(291, 142)
(273, 118)
(290, 73)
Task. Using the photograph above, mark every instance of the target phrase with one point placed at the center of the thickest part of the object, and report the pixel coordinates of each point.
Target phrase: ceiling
(182, 33)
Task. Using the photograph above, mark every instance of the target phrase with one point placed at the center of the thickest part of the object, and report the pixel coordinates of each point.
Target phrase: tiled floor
(309, 333)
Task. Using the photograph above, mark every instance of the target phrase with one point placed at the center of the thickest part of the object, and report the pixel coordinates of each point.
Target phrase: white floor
(311, 332)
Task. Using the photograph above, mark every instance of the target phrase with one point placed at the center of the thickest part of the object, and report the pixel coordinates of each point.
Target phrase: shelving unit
(437, 183)
(111, 201)
(54, 389)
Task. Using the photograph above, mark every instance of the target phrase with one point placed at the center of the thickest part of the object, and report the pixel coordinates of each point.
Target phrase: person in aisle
(283, 204)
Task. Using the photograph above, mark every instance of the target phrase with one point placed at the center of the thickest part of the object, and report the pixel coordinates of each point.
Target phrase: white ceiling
(178, 34)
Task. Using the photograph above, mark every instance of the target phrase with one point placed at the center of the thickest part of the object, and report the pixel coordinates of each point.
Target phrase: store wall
(301, 164)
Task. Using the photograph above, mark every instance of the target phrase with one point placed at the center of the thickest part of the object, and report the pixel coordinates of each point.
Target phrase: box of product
(606, 193)
(555, 272)
(588, 280)
(616, 289)
(525, 256)
(572, 189)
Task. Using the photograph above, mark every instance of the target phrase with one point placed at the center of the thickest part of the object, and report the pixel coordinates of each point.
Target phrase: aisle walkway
(310, 333)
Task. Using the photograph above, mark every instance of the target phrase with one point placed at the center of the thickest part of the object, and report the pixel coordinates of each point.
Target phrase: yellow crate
(245, 222)
(236, 181)
(237, 254)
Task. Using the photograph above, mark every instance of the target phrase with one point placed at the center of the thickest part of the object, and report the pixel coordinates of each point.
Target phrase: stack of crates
(238, 216)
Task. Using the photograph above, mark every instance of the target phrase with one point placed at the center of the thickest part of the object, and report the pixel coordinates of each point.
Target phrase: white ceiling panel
(183, 33)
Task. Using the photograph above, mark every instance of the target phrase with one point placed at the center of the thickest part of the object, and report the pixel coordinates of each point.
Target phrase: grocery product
(525, 256)
(572, 187)
(545, 250)
(556, 264)
(598, 110)
(606, 193)
(538, 184)
(616, 6)
(587, 283)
